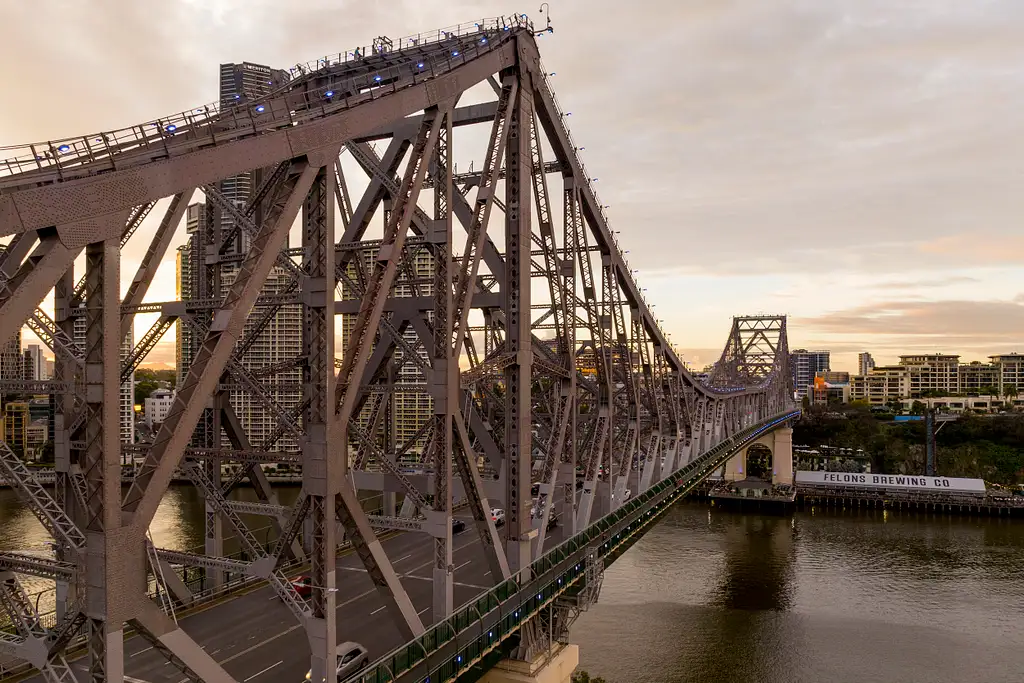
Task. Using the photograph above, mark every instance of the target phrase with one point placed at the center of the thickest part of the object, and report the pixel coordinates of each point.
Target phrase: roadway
(257, 639)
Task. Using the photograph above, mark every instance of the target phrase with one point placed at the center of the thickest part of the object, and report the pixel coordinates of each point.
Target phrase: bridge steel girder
(604, 391)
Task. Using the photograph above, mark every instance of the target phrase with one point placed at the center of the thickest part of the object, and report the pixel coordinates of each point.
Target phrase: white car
(498, 516)
(351, 658)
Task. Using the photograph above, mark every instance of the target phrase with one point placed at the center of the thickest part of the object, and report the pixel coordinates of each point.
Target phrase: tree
(805, 402)
(143, 390)
(1010, 392)
(917, 408)
(584, 677)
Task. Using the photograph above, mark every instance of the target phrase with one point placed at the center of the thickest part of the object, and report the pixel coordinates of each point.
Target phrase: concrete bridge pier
(749, 461)
(554, 666)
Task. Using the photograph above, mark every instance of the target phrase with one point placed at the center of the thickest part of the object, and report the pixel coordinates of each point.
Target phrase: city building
(883, 384)
(829, 387)
(156, 406)
(958, 404)
(932, 373)
(865, 363)
(804, 365)
(410, 409)
(16, 418)
(12, 363)
(281, 338)
(941, 377)
(35, 363)
(978, 378)
(1010, 369)
(126, 402)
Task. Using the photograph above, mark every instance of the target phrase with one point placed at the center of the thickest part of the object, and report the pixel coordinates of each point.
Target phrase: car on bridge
(303, 585)
(351, 658)
(498, 516)
(458, 525)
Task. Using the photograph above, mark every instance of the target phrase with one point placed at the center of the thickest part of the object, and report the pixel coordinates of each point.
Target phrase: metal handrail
(255, 114)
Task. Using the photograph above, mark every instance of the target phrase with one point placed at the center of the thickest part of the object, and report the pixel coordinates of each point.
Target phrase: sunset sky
(856, 164)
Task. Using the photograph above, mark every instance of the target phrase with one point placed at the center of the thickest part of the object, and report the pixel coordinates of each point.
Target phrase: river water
(714, 596)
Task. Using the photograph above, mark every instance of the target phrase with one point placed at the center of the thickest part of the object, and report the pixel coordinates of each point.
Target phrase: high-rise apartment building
(410, 409)
(865, 363)
(126, 398)
(805, 365)
(12, 363)
(35, 363)
(281, 338)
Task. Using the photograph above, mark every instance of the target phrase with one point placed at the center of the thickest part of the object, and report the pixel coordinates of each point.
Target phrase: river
(713, 596)
(860, 597)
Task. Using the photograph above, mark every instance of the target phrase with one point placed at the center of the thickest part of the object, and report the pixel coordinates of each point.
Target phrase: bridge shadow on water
(714, 610)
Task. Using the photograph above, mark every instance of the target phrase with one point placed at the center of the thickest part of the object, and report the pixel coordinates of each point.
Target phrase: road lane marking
(403, 557)
(262, 672)
(141, 651)
(362, 595)
(463, 565)
(379, 609)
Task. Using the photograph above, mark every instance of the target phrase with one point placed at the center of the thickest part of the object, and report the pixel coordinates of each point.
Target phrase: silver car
(351, 658)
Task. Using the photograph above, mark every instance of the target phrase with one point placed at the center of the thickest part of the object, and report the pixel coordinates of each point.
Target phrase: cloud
(925, 284)
(950, 324)
(731, 137)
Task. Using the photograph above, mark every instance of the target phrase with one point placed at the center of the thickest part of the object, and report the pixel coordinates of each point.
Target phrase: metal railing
(450, 648)
(213, 123)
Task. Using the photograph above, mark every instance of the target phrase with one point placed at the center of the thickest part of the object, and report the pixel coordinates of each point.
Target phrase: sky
(855, 164)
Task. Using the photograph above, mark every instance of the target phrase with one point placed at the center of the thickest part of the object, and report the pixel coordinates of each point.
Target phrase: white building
(157, 405)
(865, 363)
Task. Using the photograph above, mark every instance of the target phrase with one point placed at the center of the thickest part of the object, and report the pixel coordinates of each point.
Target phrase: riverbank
(807, 497)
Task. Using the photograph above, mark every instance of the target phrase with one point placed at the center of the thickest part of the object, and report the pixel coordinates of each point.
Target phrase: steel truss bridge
(541, 359)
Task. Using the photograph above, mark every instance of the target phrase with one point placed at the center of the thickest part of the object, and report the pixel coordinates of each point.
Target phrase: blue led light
(419, 65)
(238, 97)
(260, 108)
(377, 78)
(63, 148)
(458, 659)
(483, 40)
(455, 53)
(171, 128)
(329, 93)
